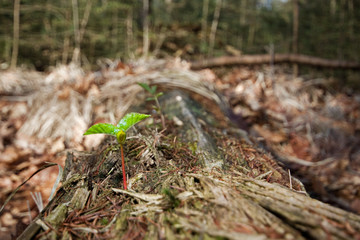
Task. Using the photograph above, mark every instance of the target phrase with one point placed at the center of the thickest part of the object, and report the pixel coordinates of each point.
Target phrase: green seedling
(119, 131)
(155, 97)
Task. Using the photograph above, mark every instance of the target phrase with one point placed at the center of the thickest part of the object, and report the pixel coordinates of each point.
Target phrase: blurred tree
(76, 53)
(295, 42)
(204, 23)
(52, 30)
(16, 31)
(146, 43)
(214, 26)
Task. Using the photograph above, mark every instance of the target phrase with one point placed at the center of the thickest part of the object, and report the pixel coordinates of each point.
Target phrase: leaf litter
(298, 121)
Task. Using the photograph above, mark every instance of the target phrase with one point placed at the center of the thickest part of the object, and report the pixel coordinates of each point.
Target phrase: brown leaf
(10, 154)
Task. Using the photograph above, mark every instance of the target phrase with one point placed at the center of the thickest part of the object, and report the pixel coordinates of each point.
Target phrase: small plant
(155, 96)
(119, 131)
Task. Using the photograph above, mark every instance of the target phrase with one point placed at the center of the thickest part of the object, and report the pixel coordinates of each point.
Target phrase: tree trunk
(214, 25)
(77, 36)
(16, 33)
(243, 12)
(333, 7)
(85, 19)
(146, 41)
(295, 42)
(129, 32)
(66, 41)
(204, 17)
(252, 23)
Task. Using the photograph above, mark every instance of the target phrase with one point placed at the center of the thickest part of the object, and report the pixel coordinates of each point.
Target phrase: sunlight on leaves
(104, 128)
(130, 119)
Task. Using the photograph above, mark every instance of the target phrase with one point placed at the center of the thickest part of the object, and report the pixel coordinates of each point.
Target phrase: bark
(278, 58)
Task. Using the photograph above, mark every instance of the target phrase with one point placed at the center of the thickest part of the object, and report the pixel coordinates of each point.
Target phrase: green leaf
(153, 90)
(146, 87)
(130, 119)
(105, 128)
(150, 99)
(159, 94)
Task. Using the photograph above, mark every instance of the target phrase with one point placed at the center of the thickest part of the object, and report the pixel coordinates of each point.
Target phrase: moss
(171, 197)
(58, 215)
(121, 220)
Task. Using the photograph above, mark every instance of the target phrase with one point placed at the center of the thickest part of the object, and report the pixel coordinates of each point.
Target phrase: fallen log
(277, 58)
(193, 180)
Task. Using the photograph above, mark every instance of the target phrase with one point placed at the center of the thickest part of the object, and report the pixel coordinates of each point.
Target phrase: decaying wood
(277, 58)
(199, 178)
(307, 126)
(184, 187)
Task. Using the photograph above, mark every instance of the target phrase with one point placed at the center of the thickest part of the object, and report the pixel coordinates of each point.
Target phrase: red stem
(123, 166)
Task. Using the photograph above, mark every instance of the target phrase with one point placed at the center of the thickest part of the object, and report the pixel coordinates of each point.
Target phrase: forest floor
(312, 129)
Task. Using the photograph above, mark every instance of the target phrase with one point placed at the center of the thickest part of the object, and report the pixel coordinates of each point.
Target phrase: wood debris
(304, 123)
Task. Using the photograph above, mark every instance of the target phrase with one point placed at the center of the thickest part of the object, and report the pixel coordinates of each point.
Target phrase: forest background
(39, 34)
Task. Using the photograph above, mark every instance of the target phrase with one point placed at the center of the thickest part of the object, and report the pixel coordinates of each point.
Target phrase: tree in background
(214, 25)
(295, 40)
(146, 40)
(86, 30)
(16, 32)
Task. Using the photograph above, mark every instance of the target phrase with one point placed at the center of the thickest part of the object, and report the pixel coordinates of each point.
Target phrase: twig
(263, 175)
(290, 179)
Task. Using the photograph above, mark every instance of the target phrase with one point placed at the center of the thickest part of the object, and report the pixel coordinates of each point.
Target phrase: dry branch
(278, 58)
